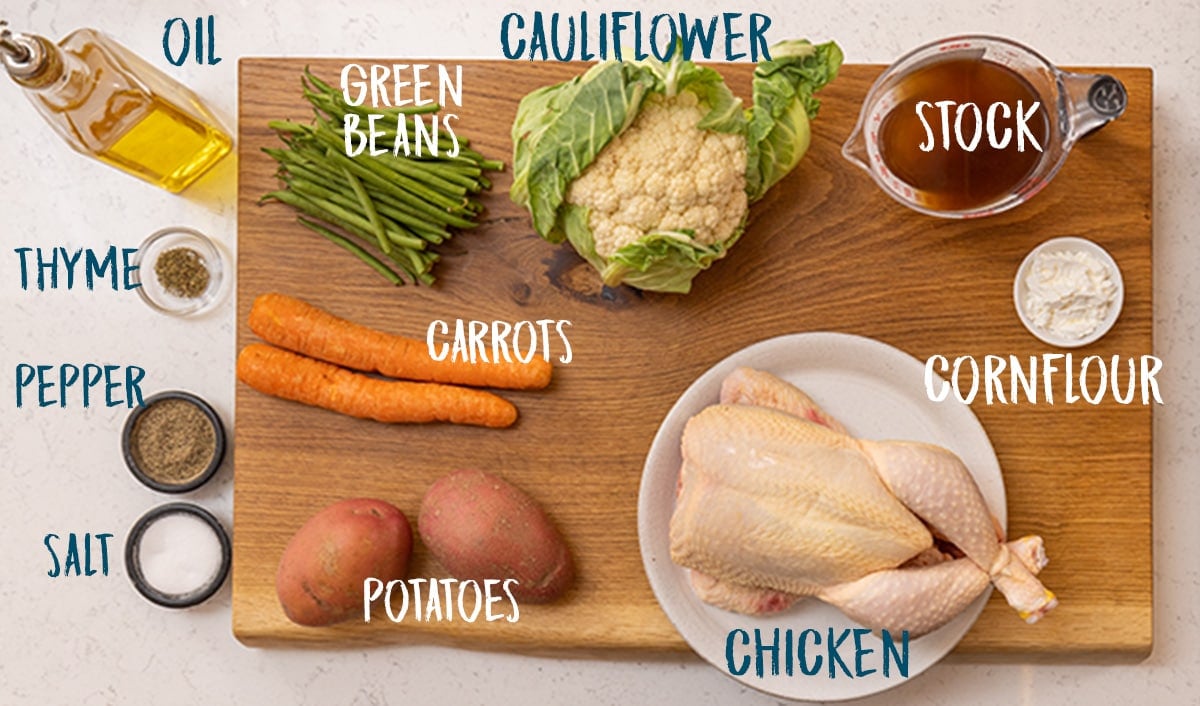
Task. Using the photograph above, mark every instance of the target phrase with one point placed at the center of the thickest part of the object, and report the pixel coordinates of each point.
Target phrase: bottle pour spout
(27, 57)
(18, 48)
(1091, 101)
(11, 48)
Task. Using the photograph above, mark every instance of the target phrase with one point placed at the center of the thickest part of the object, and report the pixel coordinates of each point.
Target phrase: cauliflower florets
(663, 173)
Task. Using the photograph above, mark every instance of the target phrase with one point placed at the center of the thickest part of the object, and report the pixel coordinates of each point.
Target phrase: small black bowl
(218, 447)
(133, 563)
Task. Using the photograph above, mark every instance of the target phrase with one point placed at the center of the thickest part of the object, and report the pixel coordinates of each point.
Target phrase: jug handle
(1090, 102)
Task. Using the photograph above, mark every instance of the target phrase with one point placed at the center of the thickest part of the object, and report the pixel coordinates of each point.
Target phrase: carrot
(274, 371)
(298, 326)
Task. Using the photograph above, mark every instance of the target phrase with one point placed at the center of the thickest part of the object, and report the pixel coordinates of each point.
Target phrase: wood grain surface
(825, 250)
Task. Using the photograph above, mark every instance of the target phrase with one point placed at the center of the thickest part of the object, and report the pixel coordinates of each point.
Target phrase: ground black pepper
(182, 272)
(173, 441)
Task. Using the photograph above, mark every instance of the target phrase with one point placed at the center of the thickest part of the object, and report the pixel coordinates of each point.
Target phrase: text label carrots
(471, 341)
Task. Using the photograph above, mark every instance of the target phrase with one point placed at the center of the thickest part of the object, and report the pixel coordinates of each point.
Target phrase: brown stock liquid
(955, 179)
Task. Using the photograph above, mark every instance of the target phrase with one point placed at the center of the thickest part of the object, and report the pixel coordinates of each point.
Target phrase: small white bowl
(1067, 244)
(154, 294)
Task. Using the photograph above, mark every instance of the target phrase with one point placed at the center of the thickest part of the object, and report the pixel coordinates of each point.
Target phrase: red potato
(479, 527)
(321, 573)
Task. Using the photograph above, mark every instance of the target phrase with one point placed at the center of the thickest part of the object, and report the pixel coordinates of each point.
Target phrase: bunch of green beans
(401, 205)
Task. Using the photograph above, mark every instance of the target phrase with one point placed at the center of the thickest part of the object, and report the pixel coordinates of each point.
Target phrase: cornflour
(1069, 292)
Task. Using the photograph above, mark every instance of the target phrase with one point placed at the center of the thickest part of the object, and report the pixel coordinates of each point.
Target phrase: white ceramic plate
(877, 392)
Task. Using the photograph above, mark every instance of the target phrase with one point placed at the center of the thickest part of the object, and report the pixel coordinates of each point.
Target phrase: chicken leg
(935, 485)
(922, 599)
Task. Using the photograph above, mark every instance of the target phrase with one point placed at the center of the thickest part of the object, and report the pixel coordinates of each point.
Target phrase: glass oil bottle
(109, 103)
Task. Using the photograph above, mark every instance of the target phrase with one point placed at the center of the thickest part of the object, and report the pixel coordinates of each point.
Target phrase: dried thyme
(182, 272)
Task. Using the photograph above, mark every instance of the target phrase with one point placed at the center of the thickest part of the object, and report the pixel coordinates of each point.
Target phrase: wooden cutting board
(825, 250)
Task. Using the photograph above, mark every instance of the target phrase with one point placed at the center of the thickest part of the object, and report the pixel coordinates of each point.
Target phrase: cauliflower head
(648, 168)
(665, 174)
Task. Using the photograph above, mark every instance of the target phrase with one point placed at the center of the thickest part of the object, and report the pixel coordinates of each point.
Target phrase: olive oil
(167, 148)
(946, 176)
(107, 102)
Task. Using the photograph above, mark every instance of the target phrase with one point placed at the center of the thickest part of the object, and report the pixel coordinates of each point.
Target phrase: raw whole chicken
(777, 502)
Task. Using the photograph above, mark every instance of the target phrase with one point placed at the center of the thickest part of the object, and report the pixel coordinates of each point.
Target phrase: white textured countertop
(93, 640)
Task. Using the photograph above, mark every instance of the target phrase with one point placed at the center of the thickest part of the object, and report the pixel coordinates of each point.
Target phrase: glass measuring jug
(973, 125)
